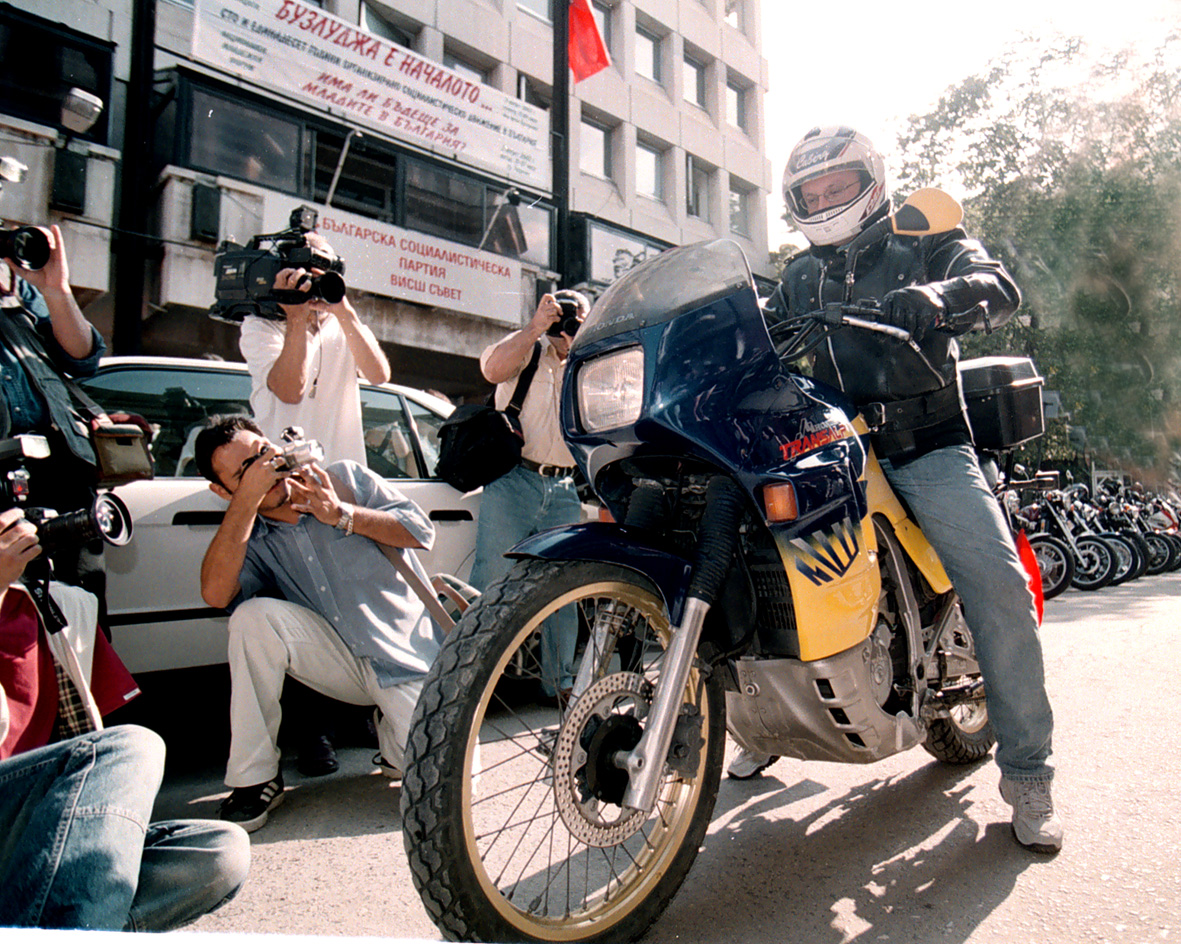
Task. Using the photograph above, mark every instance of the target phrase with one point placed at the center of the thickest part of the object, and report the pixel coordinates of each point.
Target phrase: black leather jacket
(875, 368)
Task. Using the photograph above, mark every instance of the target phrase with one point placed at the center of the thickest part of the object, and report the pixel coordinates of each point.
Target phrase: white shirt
(539, 412)
(330, 410)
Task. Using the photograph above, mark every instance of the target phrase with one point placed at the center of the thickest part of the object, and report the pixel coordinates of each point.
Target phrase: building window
(463, 210)
(466, 69)
(376, 22)
(649, 180)
(594, 151)
(696, 188)
(736, 105)
(232, 137)
(540, 8)
(41, 62)
(694, 74)
(734, 13)
(739, 212)
(647, 54)
(366, 184)
(602, 14)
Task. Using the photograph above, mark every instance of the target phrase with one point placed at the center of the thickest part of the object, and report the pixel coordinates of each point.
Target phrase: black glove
(916, 308)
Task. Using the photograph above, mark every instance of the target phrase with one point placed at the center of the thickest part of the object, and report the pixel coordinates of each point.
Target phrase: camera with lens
(295, 451)
(569, 322)
(245, 275)
(27, 246)
(107, 517)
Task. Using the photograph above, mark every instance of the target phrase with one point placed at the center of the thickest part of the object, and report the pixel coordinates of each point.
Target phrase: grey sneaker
(388, 770)
(749, 763)
(1035, 825)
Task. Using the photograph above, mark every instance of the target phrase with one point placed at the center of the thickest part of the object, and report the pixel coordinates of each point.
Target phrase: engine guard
(821, 710)
(627, 547)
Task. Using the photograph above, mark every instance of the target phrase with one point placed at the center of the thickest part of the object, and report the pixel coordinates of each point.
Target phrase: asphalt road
(905, 850)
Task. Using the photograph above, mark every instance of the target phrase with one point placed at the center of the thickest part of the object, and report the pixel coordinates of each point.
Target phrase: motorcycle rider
(936, 287)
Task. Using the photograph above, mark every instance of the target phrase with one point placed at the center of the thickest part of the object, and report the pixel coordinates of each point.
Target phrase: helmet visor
(831, 190)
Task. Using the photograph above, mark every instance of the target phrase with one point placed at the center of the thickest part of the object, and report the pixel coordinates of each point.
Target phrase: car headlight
(611, 390)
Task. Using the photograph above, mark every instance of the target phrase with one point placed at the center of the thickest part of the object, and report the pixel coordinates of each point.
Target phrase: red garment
(30, 682)
(585, 47)
(26, 672)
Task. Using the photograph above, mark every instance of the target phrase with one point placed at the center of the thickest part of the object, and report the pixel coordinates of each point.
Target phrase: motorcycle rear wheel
(510, 807)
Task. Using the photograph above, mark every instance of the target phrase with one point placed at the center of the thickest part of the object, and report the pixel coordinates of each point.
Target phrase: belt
(929, 409)
(549, 471)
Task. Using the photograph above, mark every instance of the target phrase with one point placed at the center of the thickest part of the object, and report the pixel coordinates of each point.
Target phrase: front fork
(725, 506)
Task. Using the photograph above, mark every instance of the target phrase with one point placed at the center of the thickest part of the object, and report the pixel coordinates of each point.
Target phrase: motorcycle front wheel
(511, 803)
(1055, 562)
(1097, 564)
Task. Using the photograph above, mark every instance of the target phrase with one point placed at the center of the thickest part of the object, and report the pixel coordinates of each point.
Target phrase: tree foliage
(1071, 167)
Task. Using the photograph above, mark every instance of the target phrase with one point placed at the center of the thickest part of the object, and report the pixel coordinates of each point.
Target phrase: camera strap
(51, 615)
(523, 381)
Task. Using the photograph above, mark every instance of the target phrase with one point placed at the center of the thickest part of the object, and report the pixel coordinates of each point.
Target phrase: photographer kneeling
(77, 847)
(347, 624)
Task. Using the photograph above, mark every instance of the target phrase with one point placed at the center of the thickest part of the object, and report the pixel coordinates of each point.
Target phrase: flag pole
(560, 137)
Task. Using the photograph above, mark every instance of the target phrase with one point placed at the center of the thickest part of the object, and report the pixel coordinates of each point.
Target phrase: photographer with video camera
(44, 339)
(329, 543)
(540, 493)
(302, 339)
(77, 847)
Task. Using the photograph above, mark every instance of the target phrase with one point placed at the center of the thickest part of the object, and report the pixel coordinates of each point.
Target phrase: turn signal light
(780, 501)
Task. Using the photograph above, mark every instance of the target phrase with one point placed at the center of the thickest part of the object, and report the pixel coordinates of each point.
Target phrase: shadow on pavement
(896, 858)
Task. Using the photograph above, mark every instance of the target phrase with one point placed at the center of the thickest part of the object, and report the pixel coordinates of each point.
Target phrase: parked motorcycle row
(1093, 541)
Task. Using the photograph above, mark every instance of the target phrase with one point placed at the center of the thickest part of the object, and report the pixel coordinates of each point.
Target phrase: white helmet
(825, 151)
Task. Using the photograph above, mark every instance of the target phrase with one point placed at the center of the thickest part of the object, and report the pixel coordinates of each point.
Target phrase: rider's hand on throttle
(917, 309)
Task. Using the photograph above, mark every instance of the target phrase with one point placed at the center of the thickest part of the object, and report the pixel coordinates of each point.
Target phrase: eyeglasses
(830, 197)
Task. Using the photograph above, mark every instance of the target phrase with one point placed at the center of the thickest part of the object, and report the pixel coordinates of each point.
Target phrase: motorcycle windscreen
(657, 291)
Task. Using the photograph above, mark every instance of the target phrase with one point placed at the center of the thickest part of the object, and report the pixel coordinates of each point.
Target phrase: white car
(157, 617)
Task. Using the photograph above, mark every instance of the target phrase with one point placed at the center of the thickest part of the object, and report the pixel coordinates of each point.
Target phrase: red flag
(587, 52)
(1034, 573)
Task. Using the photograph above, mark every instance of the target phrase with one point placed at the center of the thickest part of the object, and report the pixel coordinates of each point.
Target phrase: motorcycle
(759, 575)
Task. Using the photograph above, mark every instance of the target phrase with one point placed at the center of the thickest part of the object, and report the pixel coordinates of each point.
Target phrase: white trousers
(271, 639)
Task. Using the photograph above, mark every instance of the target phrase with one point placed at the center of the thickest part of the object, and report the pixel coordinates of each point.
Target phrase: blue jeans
(77, 850)
(953, 505)
(518, 504)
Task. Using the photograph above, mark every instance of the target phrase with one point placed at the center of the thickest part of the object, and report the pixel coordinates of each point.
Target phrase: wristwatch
(345, 522)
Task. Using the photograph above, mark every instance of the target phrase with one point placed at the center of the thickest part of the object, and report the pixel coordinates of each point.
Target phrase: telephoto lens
(26, 245)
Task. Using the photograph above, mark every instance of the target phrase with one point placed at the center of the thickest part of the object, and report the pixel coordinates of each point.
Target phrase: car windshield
(676, 281)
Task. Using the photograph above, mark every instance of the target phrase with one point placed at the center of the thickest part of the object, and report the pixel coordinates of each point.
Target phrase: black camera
(245, 275)
(26, 245)
(107, 517)
(569, 322)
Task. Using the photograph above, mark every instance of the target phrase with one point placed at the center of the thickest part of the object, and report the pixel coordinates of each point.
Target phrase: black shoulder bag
(478, 443)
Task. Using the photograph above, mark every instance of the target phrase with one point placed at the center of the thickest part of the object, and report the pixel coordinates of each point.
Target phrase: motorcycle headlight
(611, 390)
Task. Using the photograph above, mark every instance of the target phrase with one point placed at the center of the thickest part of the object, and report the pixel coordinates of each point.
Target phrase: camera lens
(25, 244)
(329, 286)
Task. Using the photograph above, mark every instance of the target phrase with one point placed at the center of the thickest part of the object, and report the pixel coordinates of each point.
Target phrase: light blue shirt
(349, 581)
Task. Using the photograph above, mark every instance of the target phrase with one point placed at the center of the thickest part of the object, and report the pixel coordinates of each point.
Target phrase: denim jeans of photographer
(516, 505)
(77, 849)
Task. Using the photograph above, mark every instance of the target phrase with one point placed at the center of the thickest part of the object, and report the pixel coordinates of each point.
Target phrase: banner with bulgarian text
(401, 263)
(304, 52)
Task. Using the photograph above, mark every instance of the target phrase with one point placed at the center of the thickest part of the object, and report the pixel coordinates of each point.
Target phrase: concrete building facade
(419, 130)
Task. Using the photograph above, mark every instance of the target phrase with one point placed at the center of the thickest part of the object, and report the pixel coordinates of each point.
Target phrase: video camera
(107, 517)
(246, 274)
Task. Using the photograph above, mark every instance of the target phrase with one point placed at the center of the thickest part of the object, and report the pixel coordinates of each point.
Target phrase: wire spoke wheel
(512, 805)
